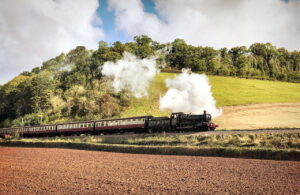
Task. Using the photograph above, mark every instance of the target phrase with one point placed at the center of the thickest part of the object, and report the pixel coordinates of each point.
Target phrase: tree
(144, 47)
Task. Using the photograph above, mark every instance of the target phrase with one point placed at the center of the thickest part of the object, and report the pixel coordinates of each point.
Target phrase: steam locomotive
(177, 122)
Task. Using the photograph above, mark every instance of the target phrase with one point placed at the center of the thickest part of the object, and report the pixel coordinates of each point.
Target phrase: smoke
(189, 93)
(215, 23)
(33, 31)
(131, 73)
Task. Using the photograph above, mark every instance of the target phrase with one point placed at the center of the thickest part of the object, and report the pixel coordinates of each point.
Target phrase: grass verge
(257, 146)
(274, 154)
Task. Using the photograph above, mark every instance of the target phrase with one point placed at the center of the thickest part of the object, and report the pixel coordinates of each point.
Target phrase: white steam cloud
(189, 93)
(33, 31)
(217, 23)
(131, 73)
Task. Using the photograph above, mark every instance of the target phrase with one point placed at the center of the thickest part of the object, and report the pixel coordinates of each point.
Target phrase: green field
(226, 91)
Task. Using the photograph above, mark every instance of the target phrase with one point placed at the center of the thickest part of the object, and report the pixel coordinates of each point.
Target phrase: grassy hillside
(226, 91)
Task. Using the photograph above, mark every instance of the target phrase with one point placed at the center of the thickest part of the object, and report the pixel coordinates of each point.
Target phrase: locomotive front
(187, 122)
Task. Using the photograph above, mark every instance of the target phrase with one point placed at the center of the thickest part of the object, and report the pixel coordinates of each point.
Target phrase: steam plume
(131, 73)
(189, 93)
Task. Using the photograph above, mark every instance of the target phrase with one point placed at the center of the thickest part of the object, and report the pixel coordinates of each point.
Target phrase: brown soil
(63, 171)
(256, 116)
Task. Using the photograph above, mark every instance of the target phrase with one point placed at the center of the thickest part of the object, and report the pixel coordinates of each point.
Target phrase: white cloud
(33, 31)
(217, 23)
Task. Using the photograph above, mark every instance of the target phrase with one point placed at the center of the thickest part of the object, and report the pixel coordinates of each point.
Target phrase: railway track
(204, 133)
(221, 132)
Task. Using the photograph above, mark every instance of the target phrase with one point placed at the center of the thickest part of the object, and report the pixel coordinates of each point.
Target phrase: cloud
(216, 23)
(33, 31)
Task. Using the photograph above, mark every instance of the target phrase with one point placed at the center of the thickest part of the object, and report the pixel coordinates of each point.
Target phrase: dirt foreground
(256, 116)
(64, 171)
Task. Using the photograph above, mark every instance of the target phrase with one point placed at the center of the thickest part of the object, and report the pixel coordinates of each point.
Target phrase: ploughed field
(64, 171)
(255, 116)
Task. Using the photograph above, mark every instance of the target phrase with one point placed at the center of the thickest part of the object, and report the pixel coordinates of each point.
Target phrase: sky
(34, 31)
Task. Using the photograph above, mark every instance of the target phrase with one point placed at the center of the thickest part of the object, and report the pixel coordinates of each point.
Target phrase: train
(177, 122)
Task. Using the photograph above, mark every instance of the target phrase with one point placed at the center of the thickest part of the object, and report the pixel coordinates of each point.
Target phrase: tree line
(71, 87)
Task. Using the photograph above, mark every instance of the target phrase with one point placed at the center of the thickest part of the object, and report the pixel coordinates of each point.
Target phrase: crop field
(227, 91)
(65, 171)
